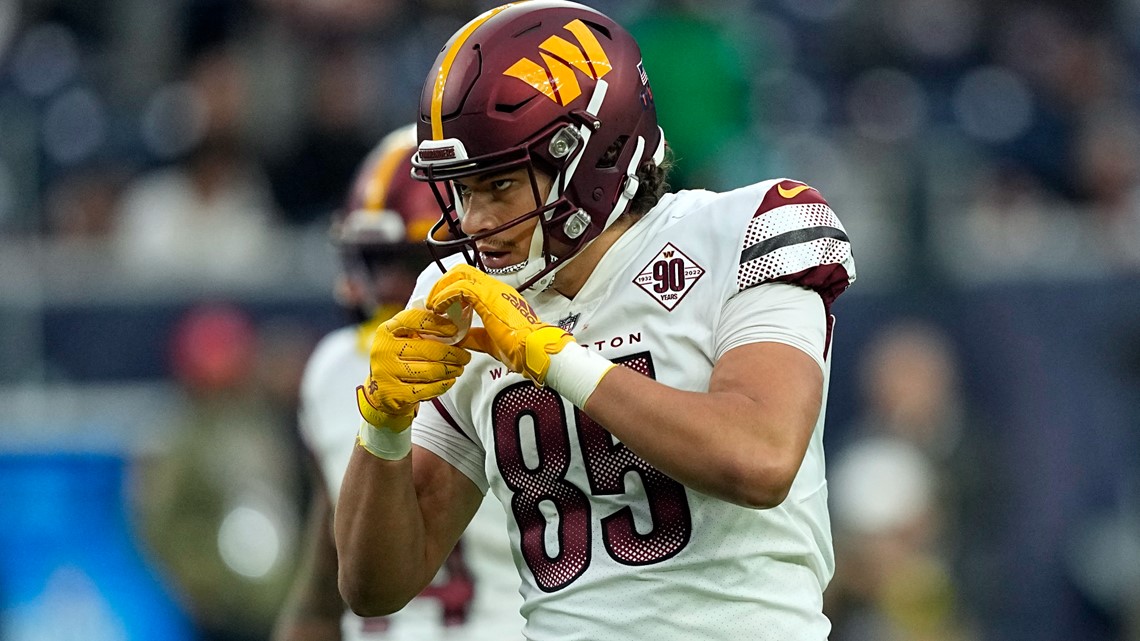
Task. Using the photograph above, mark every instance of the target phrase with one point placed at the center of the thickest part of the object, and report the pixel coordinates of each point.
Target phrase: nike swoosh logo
(793, 192)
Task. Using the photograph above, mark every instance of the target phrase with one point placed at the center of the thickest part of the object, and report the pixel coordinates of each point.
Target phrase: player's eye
(502, 184)
(461, 190)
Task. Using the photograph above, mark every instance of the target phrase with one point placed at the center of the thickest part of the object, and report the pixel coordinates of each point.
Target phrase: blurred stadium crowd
(167, 171)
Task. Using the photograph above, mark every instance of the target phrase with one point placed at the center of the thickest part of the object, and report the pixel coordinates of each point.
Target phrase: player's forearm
(380, 537)
(722, 444)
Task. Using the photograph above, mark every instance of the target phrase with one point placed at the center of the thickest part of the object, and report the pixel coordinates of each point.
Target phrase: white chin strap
(632, 182)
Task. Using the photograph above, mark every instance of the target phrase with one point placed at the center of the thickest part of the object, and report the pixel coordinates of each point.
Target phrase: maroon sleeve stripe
(447, 417)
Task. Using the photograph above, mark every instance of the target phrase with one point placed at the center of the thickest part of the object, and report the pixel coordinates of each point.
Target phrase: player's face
(494, 199)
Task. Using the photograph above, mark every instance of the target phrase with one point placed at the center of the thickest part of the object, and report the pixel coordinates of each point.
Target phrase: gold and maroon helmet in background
(551, 86)
(379, 233)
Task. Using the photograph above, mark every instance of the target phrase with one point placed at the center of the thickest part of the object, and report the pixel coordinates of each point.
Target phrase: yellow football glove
(514, 335)
(511, 331)
(408, 365)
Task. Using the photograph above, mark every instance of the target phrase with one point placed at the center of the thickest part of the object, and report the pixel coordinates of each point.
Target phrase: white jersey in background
(608, 547)
(481, 562)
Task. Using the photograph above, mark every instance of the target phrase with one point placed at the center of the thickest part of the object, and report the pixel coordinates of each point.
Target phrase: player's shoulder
(332, 350)
(743, 203)
(780, 230)
(722, 219)
(794, 236)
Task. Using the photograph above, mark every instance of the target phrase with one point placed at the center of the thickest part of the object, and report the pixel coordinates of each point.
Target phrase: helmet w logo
(557, 80)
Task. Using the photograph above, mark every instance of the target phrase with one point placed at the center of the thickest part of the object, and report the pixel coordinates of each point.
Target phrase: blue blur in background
(70, 567)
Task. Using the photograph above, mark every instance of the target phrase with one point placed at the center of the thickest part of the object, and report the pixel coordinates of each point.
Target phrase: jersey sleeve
(327, 358)
(436, 429)
(774, 312)
(310, 391)
(794, 237)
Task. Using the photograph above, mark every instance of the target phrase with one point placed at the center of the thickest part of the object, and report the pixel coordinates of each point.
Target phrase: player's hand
(408, 364)
(511, 331)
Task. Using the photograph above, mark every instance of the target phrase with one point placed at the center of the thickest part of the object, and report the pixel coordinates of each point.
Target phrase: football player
(379, 238)
(639, 376)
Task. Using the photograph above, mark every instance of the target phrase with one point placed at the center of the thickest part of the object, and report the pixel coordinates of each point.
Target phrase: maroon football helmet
(379, 233)
(551, 86)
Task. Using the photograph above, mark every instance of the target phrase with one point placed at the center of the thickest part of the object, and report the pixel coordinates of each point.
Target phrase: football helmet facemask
(550, 86)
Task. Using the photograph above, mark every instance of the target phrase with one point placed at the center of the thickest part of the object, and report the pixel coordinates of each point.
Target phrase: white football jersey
(448, 609)
(607, 546)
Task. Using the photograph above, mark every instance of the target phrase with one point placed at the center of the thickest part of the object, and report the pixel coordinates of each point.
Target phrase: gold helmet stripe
(376, 191)
(445, 68)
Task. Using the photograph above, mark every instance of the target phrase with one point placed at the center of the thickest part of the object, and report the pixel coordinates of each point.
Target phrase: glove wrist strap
(378, 418)
(575, 373)
(382, 442)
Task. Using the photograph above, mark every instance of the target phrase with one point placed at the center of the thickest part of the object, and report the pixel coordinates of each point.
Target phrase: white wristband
(575, 373)
(383, 443)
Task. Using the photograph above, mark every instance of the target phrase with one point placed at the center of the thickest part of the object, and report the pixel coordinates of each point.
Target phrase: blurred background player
(218, 502)
(475, 596)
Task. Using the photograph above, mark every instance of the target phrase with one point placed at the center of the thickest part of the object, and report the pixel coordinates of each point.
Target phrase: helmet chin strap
(632, 182)
(516, 275)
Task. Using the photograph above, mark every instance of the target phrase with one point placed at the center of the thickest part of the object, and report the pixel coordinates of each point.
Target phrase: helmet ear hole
(610, 156)
(600, 28)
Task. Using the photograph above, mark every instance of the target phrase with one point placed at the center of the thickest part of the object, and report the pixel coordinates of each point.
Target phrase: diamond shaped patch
(669, 276)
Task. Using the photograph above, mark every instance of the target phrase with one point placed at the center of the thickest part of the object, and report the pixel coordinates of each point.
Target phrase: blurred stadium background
(166, 174)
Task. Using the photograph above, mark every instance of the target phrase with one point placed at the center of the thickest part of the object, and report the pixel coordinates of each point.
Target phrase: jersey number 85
(539, 488)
